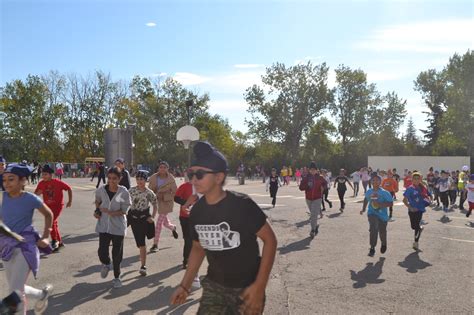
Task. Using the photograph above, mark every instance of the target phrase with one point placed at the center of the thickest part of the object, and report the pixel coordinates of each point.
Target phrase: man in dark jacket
(313, 184)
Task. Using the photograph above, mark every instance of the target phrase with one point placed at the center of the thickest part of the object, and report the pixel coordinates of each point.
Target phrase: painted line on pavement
(460, 227)
(458, 240)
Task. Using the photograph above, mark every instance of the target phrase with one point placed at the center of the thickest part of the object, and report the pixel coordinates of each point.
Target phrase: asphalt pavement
(330, 274)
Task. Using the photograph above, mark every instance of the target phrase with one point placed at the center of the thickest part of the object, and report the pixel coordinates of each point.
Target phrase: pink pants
(162, 221)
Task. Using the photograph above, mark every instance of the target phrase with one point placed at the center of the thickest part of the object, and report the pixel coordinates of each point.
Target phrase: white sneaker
(142, 271)
(42, 304)
(105, 271)
(196, 283)
(117, 283)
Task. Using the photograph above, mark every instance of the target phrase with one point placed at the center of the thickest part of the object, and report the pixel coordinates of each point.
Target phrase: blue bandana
(19, 170)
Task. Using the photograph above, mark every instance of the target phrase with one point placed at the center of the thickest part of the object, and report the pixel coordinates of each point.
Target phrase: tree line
(63, 117)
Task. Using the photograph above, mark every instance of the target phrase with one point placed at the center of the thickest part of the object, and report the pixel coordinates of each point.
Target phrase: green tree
(295, 97)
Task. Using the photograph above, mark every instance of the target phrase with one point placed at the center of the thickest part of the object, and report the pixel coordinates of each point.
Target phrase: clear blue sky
(222, 47)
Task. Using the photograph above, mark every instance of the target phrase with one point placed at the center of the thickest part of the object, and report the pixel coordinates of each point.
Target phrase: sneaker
(341, 209)
(105, 271)
(175, 233)
(468, 213)
(371, 252)
(330, 204)
(154, 248)
(196, 283)
(415, 245)
(185, 266)
(61, 244)
(142, 271)
(383, 249)
(54, 245)
(312, 234)
(316, 230)
(42, 304)
(117, 283)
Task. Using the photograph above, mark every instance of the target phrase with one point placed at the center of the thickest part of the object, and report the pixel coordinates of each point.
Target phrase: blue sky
(222, 47)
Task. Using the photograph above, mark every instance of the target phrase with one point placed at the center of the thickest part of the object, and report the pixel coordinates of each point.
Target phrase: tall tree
(295, 96)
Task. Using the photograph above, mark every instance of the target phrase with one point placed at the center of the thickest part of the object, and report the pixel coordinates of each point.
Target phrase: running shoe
(154, 248)
(54, 245)
(117, 283)
(142, 271)
(468, 213)
(175, 233)
(312, 234)
(105, 271)
(383, 249)
(371, 252)
(196, 283)
(415, 245)
(42, 304)
(341, 209)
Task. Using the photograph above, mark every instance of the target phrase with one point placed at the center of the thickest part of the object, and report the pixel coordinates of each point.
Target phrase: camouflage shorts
(217, 299)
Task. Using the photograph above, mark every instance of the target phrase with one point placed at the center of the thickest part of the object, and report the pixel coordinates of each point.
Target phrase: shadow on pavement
(85, 292)
(370, 274)
(80, 238)
(301, 223)
(413, 263)
(444, 219)
(96, 268)
(334, 215)
(295, 246)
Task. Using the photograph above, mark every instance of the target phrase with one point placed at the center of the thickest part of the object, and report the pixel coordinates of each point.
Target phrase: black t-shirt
(274, 182)
(111, 194)
(125, 179)
(341, 182)
(227, 232)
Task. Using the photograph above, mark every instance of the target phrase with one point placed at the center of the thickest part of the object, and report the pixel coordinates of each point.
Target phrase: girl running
(341, 181)
(112, 204)
(443, 185)
(327, 178)
(21, 258)
(273, 182)
(225, 226)
(163, 185)
(416, 199)
(139, 216)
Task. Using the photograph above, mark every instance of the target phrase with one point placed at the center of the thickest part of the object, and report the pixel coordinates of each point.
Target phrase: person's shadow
(295, 246)
(413, 263)
(370, 274)
(334, 215)
(302, 223)
(444, 219)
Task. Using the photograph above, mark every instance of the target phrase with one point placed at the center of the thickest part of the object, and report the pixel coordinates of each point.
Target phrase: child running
(225, 227)
(3, 163)
(443, 185)
(341, 181)
(470, 195)
(163, 185)
(52, 191)
(21, 258)
(390, 184)
(112, 204)
(273, 182)
(378, 199)
(416, 199)
(139, 216)
(327, 178)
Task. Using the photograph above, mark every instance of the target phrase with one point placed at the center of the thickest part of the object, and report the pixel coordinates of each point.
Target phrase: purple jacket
(28, 248)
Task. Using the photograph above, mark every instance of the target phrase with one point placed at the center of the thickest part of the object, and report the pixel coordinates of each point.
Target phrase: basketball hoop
(187, 134)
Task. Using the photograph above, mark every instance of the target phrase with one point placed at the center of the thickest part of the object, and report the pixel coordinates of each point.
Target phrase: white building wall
(419, 163)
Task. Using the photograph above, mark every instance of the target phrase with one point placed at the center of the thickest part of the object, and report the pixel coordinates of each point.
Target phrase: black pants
(356, 188)
(187, 236)
(415, 219)
(101, 176)
(462, 198)
(444, 198)
(117, 250)
(273, 194)
(325, 198)
(452, 196)
(341, 194)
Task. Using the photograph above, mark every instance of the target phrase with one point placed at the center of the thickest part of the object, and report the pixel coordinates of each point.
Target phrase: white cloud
(238, 81)
(441, 36)
(160, 74)
(151, 24)
(379, 76)
(248, 65)
(186, 78)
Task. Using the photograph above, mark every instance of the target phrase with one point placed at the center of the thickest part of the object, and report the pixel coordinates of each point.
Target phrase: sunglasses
(199, 174)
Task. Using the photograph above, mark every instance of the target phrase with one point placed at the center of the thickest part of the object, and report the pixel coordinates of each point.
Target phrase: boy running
(341, 181)
(378, 199)
(225, 227)
(273, 182)
(390, 184)
(52, 191)
(416, 199)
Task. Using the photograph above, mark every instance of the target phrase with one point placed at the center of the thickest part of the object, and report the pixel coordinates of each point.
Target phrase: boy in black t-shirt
(341, 181)
(225, 226)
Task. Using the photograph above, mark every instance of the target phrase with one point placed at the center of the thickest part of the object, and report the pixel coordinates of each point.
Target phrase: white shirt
(470, 192)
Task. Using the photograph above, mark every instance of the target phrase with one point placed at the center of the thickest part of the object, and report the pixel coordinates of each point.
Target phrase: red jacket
(313, 185)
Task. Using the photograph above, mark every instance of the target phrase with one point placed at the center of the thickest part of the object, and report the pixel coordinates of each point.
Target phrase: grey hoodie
(121, 201)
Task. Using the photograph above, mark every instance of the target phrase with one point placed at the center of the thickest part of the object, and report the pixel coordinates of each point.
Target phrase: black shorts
(139, 229)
